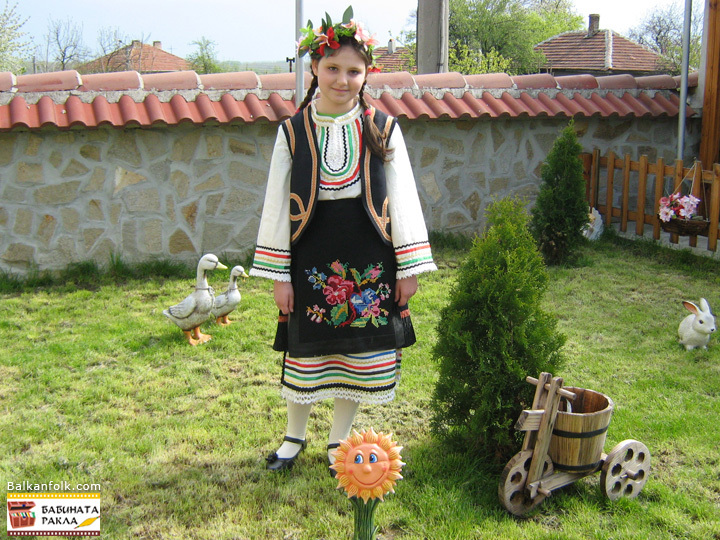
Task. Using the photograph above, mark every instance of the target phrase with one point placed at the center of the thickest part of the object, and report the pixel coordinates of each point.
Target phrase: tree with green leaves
(560, 210)
(464, 60)
(505, 32)
(204, 58)
(13, 47)
(492, 334)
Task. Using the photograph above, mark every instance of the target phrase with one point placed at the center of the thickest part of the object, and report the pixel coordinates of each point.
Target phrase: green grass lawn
(97, 386)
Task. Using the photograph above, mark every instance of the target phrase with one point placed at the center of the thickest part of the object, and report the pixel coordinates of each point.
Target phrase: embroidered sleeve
(272, 251)
(409, 234)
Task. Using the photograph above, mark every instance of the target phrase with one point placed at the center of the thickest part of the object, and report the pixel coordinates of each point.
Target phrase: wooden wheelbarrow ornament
(564, 436)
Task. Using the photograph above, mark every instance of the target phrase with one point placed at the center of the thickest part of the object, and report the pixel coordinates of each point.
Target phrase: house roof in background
(137, 57)
(389, 62)
(604, 51)
(67, 100)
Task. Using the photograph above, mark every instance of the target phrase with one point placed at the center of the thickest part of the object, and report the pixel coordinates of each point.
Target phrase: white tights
(298, 415)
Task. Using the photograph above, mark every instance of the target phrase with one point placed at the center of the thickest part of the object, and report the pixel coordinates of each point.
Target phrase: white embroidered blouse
(339, 141)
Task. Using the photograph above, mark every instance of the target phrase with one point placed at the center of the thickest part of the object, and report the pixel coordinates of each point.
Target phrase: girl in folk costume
(342, 235)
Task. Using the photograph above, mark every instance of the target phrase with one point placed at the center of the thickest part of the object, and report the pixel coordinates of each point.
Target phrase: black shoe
(275, 463)
(332, 446)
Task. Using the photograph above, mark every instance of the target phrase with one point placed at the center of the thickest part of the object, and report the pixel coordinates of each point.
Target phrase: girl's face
(340, 78)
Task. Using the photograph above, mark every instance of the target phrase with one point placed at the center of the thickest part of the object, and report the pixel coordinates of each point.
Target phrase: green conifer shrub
(492, 334)
(561, 211)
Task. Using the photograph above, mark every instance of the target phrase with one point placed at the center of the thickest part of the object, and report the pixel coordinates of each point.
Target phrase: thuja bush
(560, 211)
(492, 334)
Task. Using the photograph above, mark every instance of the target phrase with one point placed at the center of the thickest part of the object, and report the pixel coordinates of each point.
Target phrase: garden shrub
(492, 334)
(449, 240)
(561, 211)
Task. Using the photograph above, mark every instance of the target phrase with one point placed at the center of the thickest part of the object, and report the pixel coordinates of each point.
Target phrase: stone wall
(179, 192)
(461, 167)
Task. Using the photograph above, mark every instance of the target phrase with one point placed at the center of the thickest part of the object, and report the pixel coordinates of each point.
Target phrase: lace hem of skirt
(305, 398)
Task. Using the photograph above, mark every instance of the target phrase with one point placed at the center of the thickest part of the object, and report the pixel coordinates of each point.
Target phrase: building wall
(179, 192)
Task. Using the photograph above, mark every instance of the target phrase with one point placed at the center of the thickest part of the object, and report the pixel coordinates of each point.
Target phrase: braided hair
(372, 136)
(310, 93)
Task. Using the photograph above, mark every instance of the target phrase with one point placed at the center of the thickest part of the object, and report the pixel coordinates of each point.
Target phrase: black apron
(343, 277)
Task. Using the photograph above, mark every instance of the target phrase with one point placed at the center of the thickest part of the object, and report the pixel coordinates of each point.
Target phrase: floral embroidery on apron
(352, 298)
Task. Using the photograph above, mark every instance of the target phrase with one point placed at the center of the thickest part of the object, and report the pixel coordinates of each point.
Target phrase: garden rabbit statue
(694, 330)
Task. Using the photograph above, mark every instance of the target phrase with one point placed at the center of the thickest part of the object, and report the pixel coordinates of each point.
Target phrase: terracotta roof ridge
(58, 87)
(384, 49)
(618, 34)
(66, 100)
(144, 47)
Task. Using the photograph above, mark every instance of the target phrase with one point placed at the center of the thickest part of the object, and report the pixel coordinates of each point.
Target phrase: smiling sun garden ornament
(367, 466)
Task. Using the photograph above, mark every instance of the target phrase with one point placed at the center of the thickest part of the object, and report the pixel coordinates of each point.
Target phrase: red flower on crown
(328, 39)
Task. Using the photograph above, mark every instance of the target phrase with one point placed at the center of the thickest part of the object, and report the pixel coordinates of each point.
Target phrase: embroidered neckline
(325, 120)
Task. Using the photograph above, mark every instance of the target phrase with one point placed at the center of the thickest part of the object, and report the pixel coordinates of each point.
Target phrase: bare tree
(662, 30)
(143, 58)
(111, 49)
(65, 43)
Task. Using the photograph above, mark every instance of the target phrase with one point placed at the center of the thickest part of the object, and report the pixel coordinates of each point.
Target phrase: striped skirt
(364, 377)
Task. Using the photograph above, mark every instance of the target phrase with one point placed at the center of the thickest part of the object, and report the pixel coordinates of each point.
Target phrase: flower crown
(324, 40)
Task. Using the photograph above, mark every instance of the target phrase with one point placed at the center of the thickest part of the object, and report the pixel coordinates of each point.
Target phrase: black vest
(305, 174)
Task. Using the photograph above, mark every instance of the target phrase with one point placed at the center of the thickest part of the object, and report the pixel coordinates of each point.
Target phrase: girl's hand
(284, 296)
(404, 289)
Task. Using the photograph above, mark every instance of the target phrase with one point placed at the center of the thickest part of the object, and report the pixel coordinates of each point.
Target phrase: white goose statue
(196, 308)
(228, 301)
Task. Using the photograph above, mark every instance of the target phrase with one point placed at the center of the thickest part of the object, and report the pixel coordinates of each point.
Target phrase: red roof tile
(65, 99)
(7, 81)
(175, 80)
(602, 52)
(693, 79)
(440, 80)
(390, 62)
(586, 82)
(139, 57)
(48, 82)
(617, 81)
(659, 82)
(400, 79)
(281, 81)
(489, 80)
(243, 80)
(121, 80)
(538, 80)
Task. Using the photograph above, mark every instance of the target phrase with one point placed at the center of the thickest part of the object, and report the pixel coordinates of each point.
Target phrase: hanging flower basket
(685, 227)
(677, 212)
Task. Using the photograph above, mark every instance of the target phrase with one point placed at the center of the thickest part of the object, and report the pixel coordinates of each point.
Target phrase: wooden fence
(630, 191)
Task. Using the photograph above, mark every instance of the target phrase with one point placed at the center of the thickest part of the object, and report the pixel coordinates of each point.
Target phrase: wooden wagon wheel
(513, 481)
(625, 470)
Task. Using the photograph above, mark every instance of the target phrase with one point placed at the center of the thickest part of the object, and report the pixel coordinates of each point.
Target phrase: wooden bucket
(580, 429)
